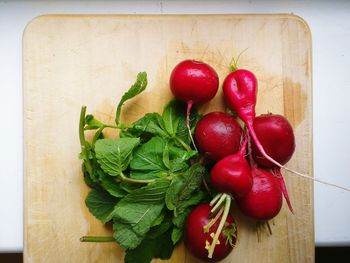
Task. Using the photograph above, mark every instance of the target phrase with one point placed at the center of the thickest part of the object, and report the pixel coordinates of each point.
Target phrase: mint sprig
(146, 181)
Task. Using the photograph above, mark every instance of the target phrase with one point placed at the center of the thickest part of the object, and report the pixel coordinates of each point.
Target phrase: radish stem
(283, 186)
(207, 227)
(221, 225)
(188, 112)
(218, 204)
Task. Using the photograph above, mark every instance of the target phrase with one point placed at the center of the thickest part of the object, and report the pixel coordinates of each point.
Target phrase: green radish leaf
(101, 205)
(139, 86)
(114, 155)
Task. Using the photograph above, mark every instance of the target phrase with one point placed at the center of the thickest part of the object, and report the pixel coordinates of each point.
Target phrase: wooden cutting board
(70, 61)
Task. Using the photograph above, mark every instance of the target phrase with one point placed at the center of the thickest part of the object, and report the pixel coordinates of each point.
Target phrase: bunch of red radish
(246, 161)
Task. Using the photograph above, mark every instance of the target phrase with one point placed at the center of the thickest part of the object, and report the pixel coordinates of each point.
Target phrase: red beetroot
(277, 138)
(197, 241)
(264, 200)
(232, 174)
(217, 135)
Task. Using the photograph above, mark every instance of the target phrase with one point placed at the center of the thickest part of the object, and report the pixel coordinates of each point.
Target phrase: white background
(330, 28)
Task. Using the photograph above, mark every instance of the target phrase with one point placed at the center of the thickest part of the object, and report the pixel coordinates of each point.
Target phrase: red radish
(217, 135)
(276, 135)
(232, 174)
(198, 241)
(264, 200)
(193, 82)
(240, 90)
(279, 176)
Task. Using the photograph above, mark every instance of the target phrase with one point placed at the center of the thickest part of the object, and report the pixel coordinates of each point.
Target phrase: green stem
(220, 227)
(97, 239)
(83, 143)
(135, 181)
(97, 134)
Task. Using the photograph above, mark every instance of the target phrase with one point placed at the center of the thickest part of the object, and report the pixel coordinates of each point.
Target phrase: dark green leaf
(142, 206)
(129, 187)
(114, 155)
(125, 236)
(176, 235)
(166, 160)
(178, 165)
(139, 86)
(150, 124)
(179, 220)
(171, 117)
(159, 219)
(112, 186)
(161, 247)
(101, 205)
(159, 229)
(195, 199)
(183, 186)
(147, 174)
(149, 156)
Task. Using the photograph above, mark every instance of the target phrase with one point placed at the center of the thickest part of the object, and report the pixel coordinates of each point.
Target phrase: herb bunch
(145, 182)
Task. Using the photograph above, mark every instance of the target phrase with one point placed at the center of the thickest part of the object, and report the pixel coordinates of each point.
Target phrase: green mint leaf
(171, 117)
(139, 86)
(179, 220)
(159, 219)
(142, 207)
(176, 235)
(114, 155)
(129, 187)
(125, 236)
(159, 229)
(111, 186)
(101, 205)
(178, 165)
(183, 186)
(149, 125)
(195, 199)
(136, 174)
(161, 247)
(92, 123)
(149, 156)
(182, 131)
(166, 160)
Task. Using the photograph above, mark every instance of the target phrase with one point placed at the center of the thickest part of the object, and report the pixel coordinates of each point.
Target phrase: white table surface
(330, 27)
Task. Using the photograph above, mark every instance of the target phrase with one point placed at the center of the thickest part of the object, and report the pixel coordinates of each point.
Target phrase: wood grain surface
(70, 61)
